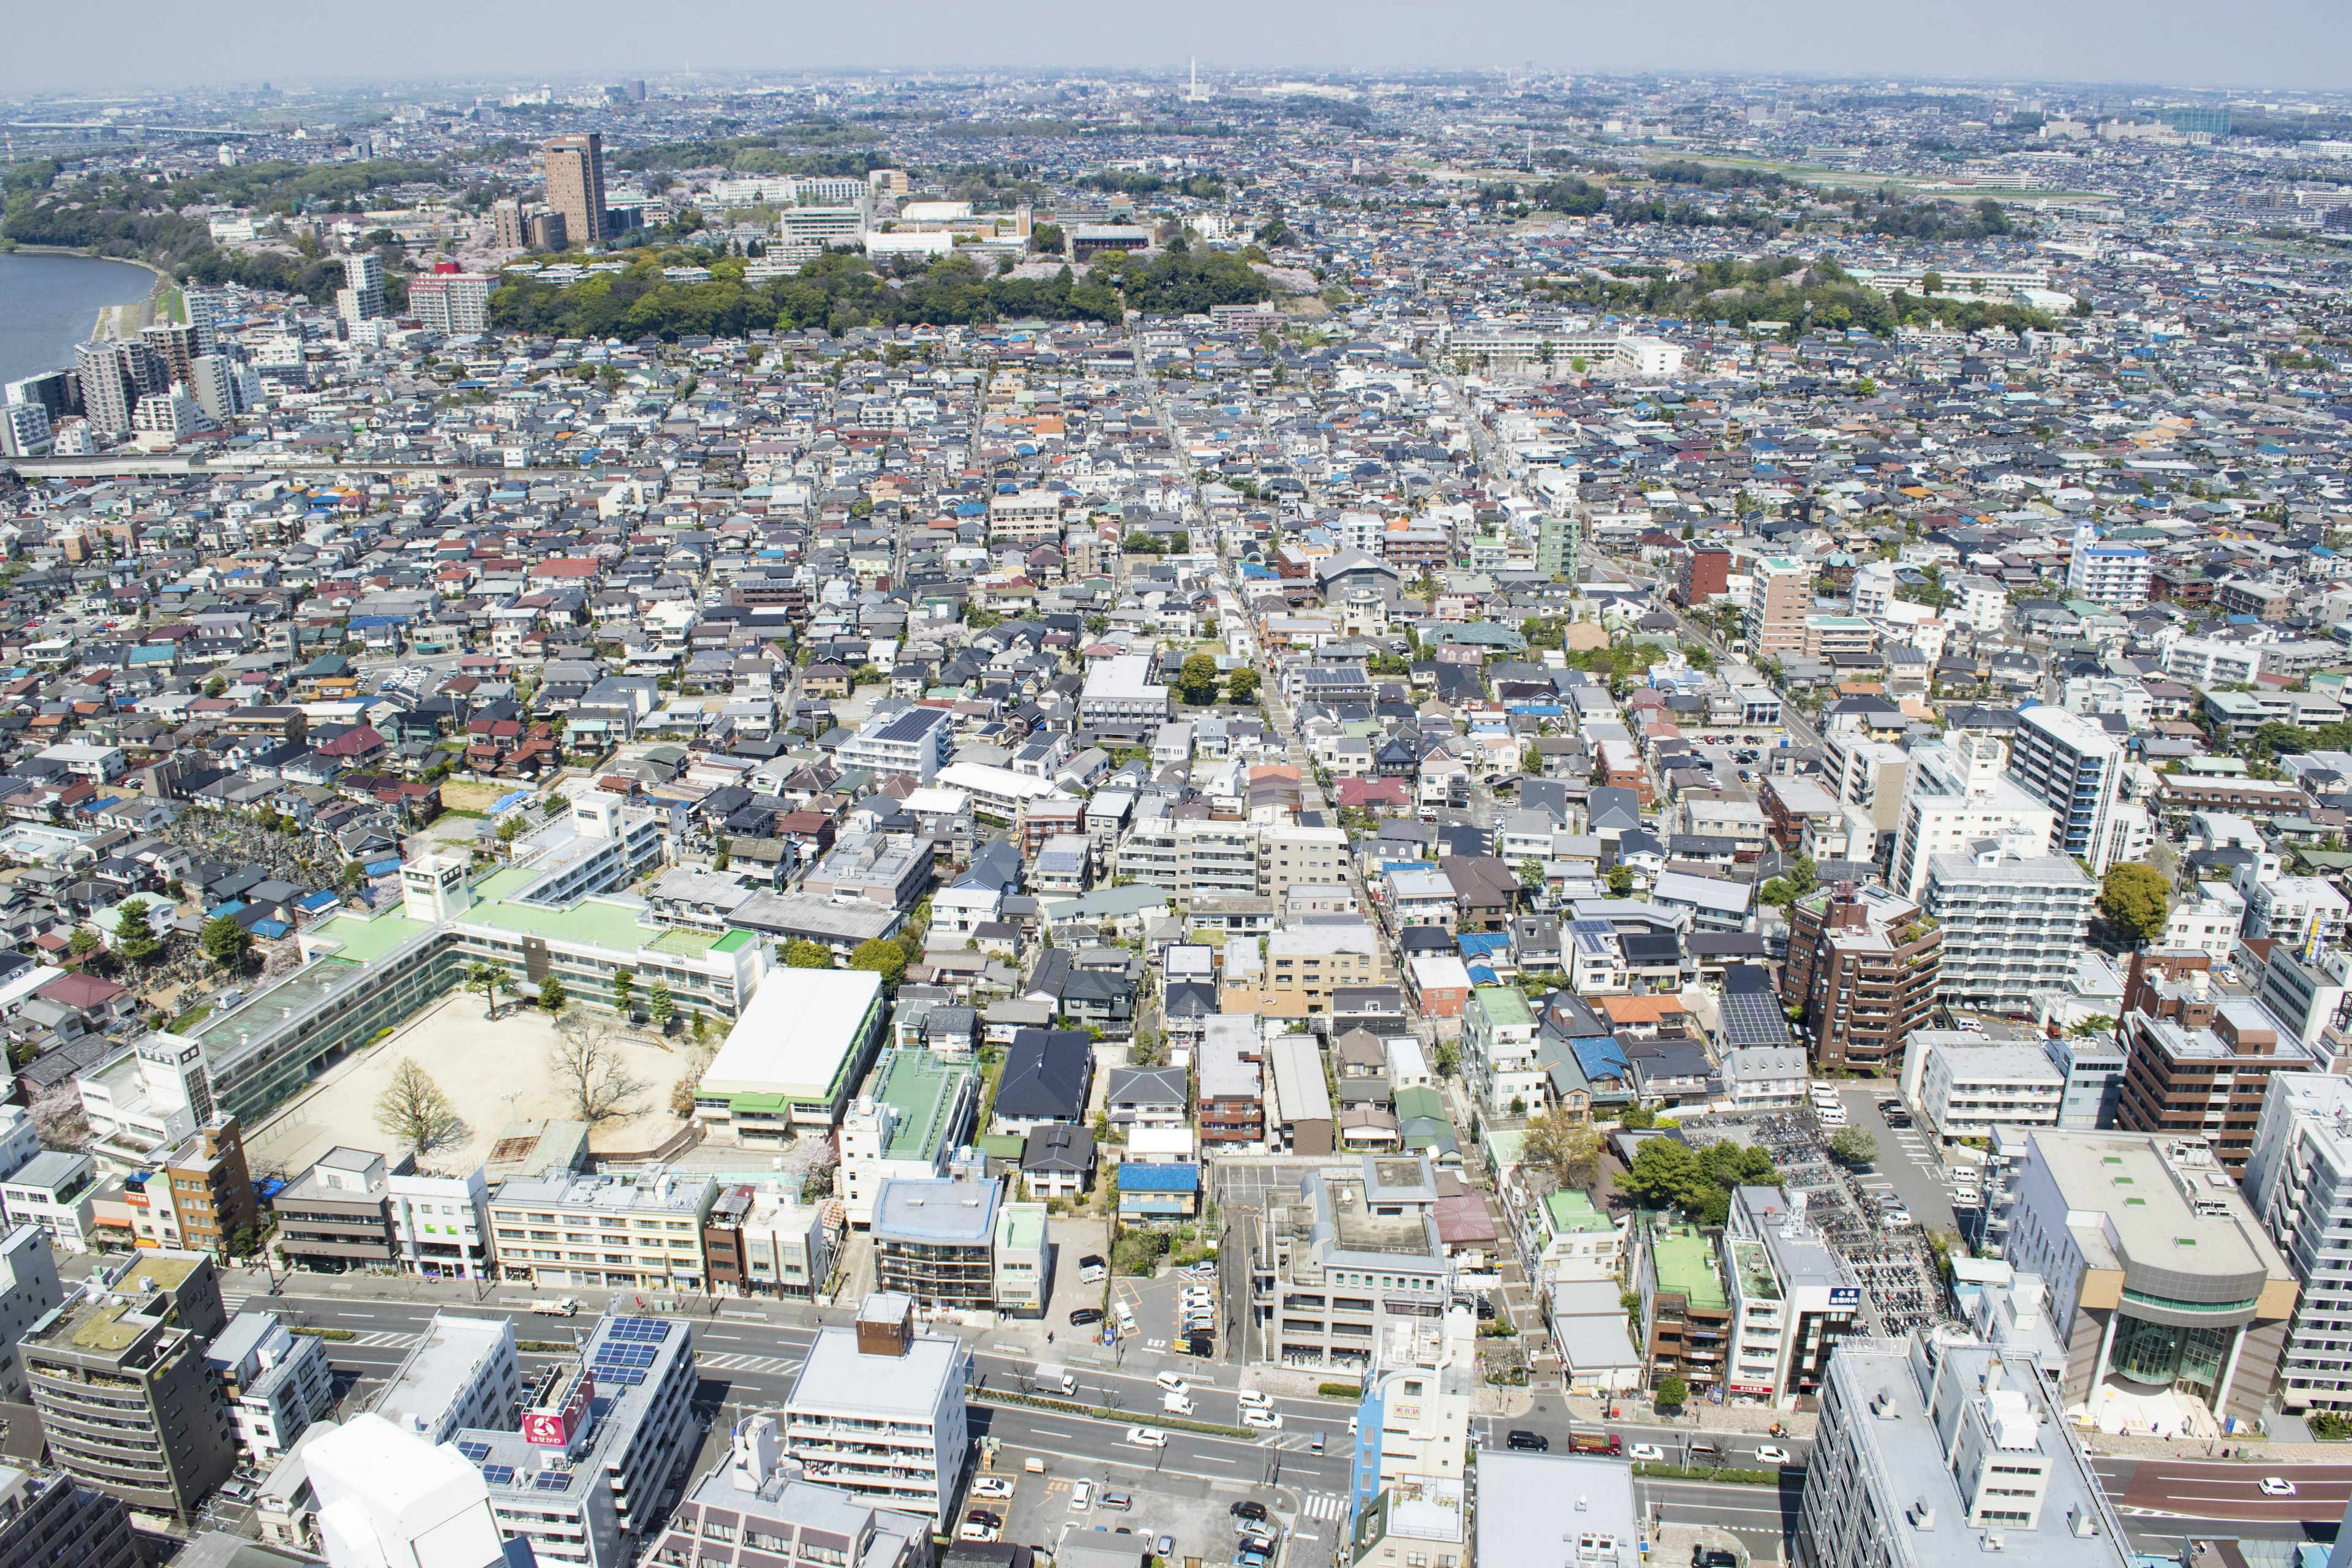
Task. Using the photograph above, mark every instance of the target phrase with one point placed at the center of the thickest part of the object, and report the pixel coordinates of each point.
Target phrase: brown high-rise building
(576, 184)
(508, 223)
(1864, 965)
(176, 344)
(2197, 1062)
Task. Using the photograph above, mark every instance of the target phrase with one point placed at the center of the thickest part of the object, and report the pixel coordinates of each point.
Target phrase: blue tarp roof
(1134, 1178)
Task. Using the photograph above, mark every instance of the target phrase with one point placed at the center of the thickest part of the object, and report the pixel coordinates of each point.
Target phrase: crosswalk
(1324, 1506)
(383, 1339)
(773, 1365)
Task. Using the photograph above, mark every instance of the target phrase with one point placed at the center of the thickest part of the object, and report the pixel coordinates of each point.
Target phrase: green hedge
(1708, 1473)
(337, 1335)
(1338, 1391)
(1105, 1413)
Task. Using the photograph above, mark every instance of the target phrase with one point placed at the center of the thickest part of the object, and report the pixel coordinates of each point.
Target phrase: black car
(1249, 1508)
(1081, 1316)
(1716, 1557)
(1529, 1441)
(1200, 1345)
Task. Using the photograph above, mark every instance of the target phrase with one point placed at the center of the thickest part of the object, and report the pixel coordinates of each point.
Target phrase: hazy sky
(2283, 44)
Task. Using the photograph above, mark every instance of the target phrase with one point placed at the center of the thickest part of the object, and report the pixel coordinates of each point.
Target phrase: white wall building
(1966, 1091)
(878, 1410)
(276, 1383)
(2012, 924)
(1957, 794)
(2299, 1182)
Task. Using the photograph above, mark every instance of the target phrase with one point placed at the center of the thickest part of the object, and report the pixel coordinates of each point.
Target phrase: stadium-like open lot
(493, 1073)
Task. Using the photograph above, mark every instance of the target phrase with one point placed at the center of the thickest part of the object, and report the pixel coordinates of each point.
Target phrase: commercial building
(755, 1503)
(2013, 925)
(1792, 1299)
(332, 1217)
(2169, 1295)
(575, 185)
(601, 1436)
(794, 1059)
(2299, 1183)
(462, 1372)
(1413, 1423)
(878, 1411)
(761, 1239)
(1959, 794)
(119, 1375)
(1931, 1455)
(1336, 1265)
(1574, 1511)
(386, 1498)
(276, 1382)
(636, 1233)
(2074, 767)
(1968, 1087)
(1863, 965)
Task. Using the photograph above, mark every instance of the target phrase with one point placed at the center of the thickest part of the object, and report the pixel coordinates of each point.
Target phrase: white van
(1253, 1400)
(1173, 1383)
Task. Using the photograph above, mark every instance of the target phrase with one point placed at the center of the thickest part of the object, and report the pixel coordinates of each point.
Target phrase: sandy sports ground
(478, 1065)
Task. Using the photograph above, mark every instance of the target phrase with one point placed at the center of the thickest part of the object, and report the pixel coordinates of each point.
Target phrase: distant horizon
(2259, 46)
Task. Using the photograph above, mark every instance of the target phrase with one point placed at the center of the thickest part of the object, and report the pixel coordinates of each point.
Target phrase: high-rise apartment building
(212, 382)
(2075, 768)
(2198, 1063)
(509, 229)
(176, 344)
(1863, 965)
(2299, 1183)
(2013, 925)
(1957, 794)
(576, 184)
(451, 301)
(362, 297)
(2115, 576)
(47, 1521)
(1779, 597)
(878, 1411)
(23, 430)
(109, 391)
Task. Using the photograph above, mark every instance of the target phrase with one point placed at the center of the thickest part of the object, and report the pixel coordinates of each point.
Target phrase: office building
(48, 1521)
(1864, 965)
(638, 1233)
(2197, 1063)
(548, 231)
(2170, 1298)
(878, 1411)
(935, 1242)
(575, 185)
(454, 302)
(1792, 1297)
(1931, 1455)
(600, 1436)
(2299, 1183)
(1685, 1309)
(462, 1372)
(2073, 766)
(1121, 701)
(332, 1217)
(276, 1383)
(440, 1225)
(1959, 794)
(120, 1377)
(2013, 925)
(1345, 1256)
(755, 1503)
(361, 298)
(29, 1291)
(386, 1497)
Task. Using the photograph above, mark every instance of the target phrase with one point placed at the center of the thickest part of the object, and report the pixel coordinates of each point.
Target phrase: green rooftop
(1686, 1266)
(1571, 1213)
(1021, 1227)
(1503, 1006)
(367, 938)
(595, 921)
(505, 882)
(923, 1091)
(732, 942)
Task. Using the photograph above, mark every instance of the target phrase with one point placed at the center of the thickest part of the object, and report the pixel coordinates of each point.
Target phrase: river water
(48, 304)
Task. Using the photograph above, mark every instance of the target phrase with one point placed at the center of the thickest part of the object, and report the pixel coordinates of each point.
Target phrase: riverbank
(122, 322)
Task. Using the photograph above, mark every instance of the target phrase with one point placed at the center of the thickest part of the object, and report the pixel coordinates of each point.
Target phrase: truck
(556, 1307)
(1176, 1403)
(1594, 1440)
(1056, 1379)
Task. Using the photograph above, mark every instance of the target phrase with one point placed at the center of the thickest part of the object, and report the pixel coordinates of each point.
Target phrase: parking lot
(1159, 1307)
(1195, 1511)
(1907, 1163)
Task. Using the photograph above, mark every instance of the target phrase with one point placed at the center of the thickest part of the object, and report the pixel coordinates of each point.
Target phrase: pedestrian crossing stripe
(380, 1339)
(1325, 1506)
(767, 1363)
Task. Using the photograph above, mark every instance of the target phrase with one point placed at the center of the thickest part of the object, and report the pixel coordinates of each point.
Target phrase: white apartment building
(1966, 1091)
(1792, 1297)
(2207, 662)
(2092, 695)
(2115, 576)
(878, 1410)
(2210, 921)
(1983, 605)
(2074, 767)
(1959, 795)
(1498, 1051)
(1205, 859)
(2012, 924)
(2305, 913)
(1122, 701)
(642, 1232)
(29, 1291)
(2299, 1183)
(276, 1382)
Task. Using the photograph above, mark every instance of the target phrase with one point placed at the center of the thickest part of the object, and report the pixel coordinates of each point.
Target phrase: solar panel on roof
(475, 1450)
(499, 1475)
(554, 1480)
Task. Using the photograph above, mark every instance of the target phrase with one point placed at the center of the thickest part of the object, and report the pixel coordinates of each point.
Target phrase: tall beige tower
(576, 184)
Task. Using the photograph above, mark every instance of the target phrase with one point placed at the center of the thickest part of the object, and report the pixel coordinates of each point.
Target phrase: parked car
(1164, 1547)
(1248, 1508)
(1526, 1441)
(1082, 1316)
(991, 1487)
(1082, 1496)
(1091, 1270)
